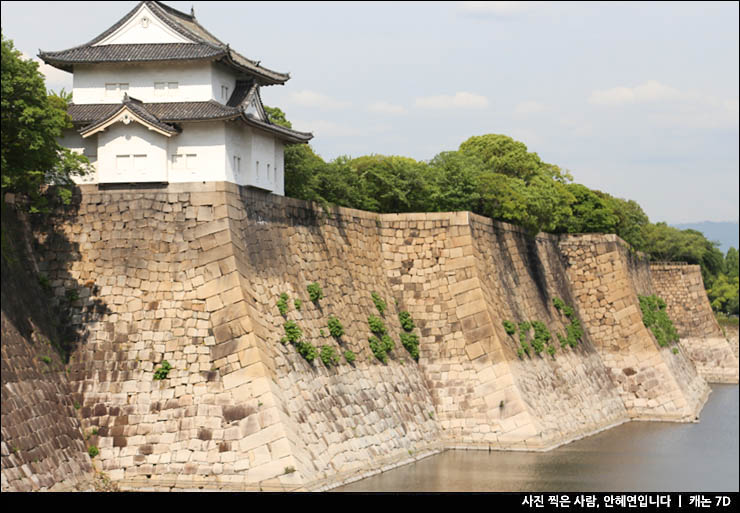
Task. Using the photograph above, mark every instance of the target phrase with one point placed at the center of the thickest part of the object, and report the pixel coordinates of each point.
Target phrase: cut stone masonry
(191, 274)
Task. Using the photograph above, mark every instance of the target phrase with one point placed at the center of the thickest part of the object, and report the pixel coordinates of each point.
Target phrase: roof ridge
(171, 10)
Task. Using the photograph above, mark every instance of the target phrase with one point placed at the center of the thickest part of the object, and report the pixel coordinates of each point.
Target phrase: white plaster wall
(89, 147)
(134, 31)
(263, 151)
(194, 82)
(220, 75)
(131, 139)
(207, 141)
(237, 144)
(280, 167)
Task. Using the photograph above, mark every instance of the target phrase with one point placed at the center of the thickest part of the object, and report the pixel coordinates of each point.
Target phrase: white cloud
(313, 99)
(461, 100)
(386, 108)
(650, 91)
(326, 128)
(528, 107)
(672, 107)
(502, 9)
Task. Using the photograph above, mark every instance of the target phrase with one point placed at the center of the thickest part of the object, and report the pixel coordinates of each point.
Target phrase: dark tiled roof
(131, 53)
(286, 133)
(169, 112)
(139, 109)
(205, 45)
(163, 114)
(192, 111)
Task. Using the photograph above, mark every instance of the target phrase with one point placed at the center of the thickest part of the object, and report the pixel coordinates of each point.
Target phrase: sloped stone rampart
(654, 382)
(43, 446)
(682, 287)
(191, 274)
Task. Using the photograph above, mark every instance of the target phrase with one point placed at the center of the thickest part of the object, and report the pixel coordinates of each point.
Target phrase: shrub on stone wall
(293, 333)
(411, 342)
(379, 302)
(350, 356)
(509, 327)
(335, 327)
(329, 356)
(655, 317)
(315, 292)
(407, 323)
(376, 325)
(376, 346)
(282, 304)
(163, 371)
(307, 351)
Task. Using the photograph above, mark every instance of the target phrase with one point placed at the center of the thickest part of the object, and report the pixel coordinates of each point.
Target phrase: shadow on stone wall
(44, 447)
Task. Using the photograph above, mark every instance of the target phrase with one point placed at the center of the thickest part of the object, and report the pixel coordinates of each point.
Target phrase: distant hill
(726, 233)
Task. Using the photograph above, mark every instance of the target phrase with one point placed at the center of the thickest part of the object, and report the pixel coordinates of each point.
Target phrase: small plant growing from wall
(573, 331)
(407, 323)
(350, 356)
(282, 304)
(525, 348)
(45, 283)
(45, 359)
(551, 351)
(376, 346)
(163, 370)
(411, 342)
(509, 327)
(376, 325)
(541, 336)
(307, 351)
(293, 333)
(329, 356)
(379, 302)
(297, 303)
(335, 327)
(655, 317)
(315, 292)
(388, 344)
(72, 295)
(93, 451)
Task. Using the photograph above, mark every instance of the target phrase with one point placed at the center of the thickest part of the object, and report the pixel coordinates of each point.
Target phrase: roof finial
(125, 97)
(192, 11)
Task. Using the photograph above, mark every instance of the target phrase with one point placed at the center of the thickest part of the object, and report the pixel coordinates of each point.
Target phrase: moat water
(635, 456)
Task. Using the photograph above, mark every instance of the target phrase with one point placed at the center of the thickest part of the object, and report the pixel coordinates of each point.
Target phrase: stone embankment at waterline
(191, 275)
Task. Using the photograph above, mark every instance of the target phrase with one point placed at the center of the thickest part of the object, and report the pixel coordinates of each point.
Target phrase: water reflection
(636, 456)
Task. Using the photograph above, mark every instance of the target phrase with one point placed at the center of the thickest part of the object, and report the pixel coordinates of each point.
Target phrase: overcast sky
(637, 99)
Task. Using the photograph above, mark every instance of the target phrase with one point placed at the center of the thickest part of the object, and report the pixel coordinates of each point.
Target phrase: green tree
(31, 123)
(591, 213)
(723, 294)
(453, 182)
(277, 117)
(503, 155)
(663, 242)
(391, 183)
(632, 221)
(731, 263)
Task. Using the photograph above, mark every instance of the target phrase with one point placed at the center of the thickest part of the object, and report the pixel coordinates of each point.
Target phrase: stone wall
(191, 274)
(460, 276)
(43, 445)
(654, 382)
(682, 288)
